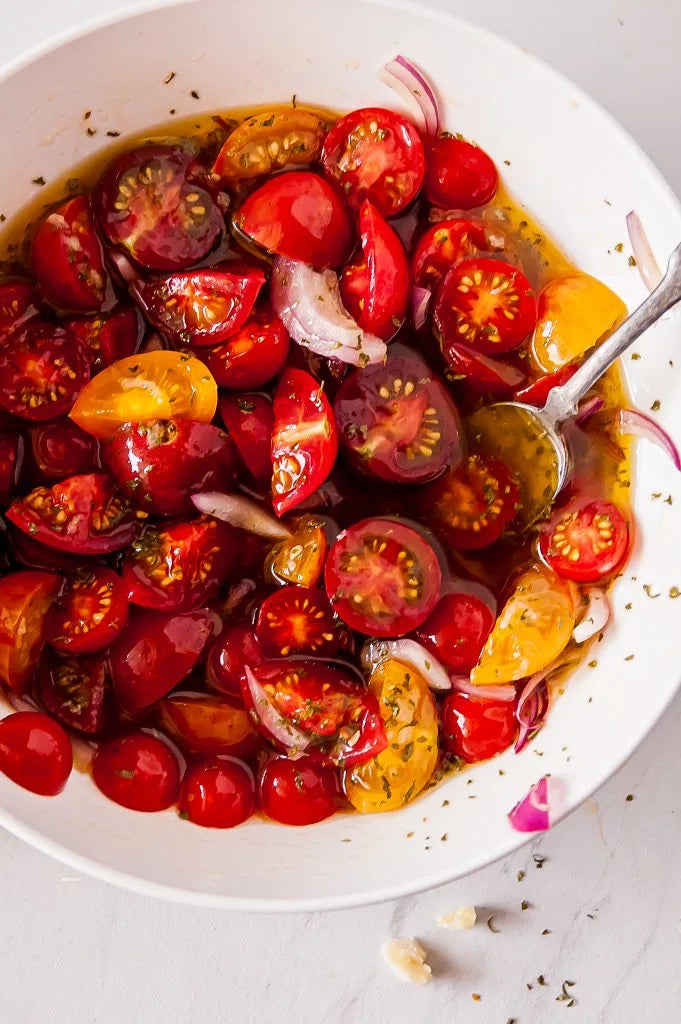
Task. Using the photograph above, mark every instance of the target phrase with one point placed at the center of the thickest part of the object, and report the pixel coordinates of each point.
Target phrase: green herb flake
(647, 588)
(169, 77)
(38, 181)
(632, 261)
(592, 664)
(655, 406)
(520, 876)
(194, 94)
(524, 905)
(619, 247)
(629, 797)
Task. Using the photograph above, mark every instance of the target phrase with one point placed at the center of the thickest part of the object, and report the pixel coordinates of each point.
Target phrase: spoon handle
(563, 401)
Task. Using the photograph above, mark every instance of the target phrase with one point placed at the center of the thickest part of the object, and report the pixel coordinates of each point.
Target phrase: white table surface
(76, 950)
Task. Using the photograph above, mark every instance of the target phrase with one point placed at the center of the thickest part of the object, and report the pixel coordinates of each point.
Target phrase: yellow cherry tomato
(300, 558)
(534, 626)
(270, 140)
(398, 773)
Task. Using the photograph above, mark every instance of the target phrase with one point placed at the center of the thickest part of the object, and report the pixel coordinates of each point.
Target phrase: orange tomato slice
(575, 314)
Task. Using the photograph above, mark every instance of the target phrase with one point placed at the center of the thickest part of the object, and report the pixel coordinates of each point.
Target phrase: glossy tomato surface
(459, 175)
(67, 259)
(471, 506)
(17, 304)
(108, 336)
(35, 752)
(456, 630)
(201, 723)
(375, 285)
(91, 612)
(76, 691)
(269, 141)
(442, 245)
(60, 449)
(586, 542)
(252, 356)
(299, 620)
(233, 649)
(217, 793)
(25, 599)
(476, 729)
(249, 418)
(138, 771)
(41, 371)
(298, 792)
(483, 374)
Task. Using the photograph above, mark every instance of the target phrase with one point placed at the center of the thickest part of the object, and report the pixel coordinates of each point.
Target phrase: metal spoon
(529, 440)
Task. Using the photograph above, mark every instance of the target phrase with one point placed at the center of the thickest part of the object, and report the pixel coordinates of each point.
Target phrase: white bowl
(579, 173)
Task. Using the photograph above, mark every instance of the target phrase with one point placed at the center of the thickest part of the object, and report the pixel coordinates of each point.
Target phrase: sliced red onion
(502, 691)
(236, 594)
(533, 705)
(420, 300)
(240, 512)
(532, 813)
(648, 267)
(293, 740)
(20, 702)
(632, 421)
(309, 305)
(153, 342)
(410, 653)
(403, 76)
(588, 409)
(596, 616)
(124, 267)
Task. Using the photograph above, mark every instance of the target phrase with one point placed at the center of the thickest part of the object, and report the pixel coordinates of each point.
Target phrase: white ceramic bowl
(578, 172)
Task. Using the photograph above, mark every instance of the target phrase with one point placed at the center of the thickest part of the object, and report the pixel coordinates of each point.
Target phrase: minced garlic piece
(407, 957)
(461, 919)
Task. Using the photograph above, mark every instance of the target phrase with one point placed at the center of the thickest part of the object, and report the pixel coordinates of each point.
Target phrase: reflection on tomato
(459, 175)
(17, 304)
(269, 141)
(35, 752)
(25, 599)
(299, 620)
(233, 649)
(217, 793)
(481, 373)
(443, 245)
(59, 449)
(586, 542)
(471, 506)
(249, 418)
(11, 462)
(298, 792)
(41, 371)
(252, 356)
(137, 771)
(538, 391)
(456, 630)
(91, 612)
(476, 729)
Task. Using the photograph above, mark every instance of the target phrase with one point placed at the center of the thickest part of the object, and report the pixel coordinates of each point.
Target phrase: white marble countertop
(604, 911)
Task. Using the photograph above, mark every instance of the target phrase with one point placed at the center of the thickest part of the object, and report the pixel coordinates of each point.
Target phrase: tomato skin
(471, 506)
(269, 141)
(25, 599)
(33, 555)
(90, 614)
(201, 723)
(537, 391)
(442, 245)
(299, 215)
(137, 771)
(60, 449)
(233, 649)
(574, 314)
(299, 620)
(42, 369)
(299, 792)
(458, 175)
(481, 373)
(108, 337)
(477, 729)
(456, 630)
(375, 286)
(253, 355)
(35, 752)
(585, 542)
(67, 259)
(249, 419)
(12, 450)
(76, 691)
(17, 304)
(217, 793)
(299, 559)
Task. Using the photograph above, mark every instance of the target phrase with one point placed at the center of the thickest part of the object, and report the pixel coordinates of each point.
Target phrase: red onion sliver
(401, 74)
(153, 343)
(125, 267)
(648, 267)
(502, 691)
(282, 732)
(596, 616)
(632, 421)
(410, 653)
(589, 409)
(420, 300)
(240, 512)
(532, 813)
(534, 710)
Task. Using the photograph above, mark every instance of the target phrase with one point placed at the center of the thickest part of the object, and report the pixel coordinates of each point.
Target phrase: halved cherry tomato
(108, 337)
(375, 286)
(42, 369)
(299, 559)
(299, 215)
(375, 154)
(252, 356)
(585, 542)
(90, 614)
(459, 175)
(217, 793)
(59, 449)
(538, 391)
(203, 724)
(138, 771)
(34, 555)
(35, 752)
(299, 792)
(77, 691)
(67, 258)
(475, 729)
(304, 439)
(180, 566)
(456, 630)
(470, 507)
(148, 386)
(482, 373)
(299, 620)
(160, 464)
(233, 649)
(396, 420)
(145, 204)
(443, 245)
(269, 141)
(382, 577)
(17, 304)
(25, 599)
(484, 303)
(84, 515)
(11, 462)
(249, 419)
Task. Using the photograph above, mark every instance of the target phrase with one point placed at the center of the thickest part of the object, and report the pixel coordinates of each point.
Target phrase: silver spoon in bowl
(529, 441)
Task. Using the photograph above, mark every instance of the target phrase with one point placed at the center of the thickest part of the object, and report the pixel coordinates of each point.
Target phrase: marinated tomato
(67, 259)
(42, 369)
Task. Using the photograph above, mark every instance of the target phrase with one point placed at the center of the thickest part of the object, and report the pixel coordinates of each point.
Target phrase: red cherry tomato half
(538, 391)
(252, 356)
(25, 599)
(77, 691)
(249, 419)
(375, 286)
(299, 620)
(396, 420)
(470, 507)
(137, 771)
(459, 175)
(299, 215)
(585, 542)
(90, 614)
(203, 724)
(12, 450)
(443, 245)
(67, 258)
(382, 577)
(483, 373)
(234, 648)
(145, 205)
(108, 337)
(475, 729)
(34, 555)
(84, 515)
(456, 630)
(59, 449)
(35, 752)
(486, 304)
(375, 154)
(219, 793)
(17, 304)
(41, 371)
(304, 439)
(298, 792)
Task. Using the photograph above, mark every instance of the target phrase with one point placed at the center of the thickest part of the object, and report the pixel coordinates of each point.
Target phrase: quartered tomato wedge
(90, 613)
(456, 630)
(77, 691)
(253, 355)
(475, 728)
(304, 439)
(25, 599)
(201, 723)
(249, 419)
(375, 286)
(67, 259)
(35, 752)
(33, 555)
(269, 141)
(396, 420)
(148, 386)
(138, 771)
(375, 154)
(299, 792)
(443, 245)
(59, 449)
(108, 337)
(234, 648)
(586, 542)
(299, 559)
(459, 175)
(470, 507)
(538, 391)
(382, 577)
(217, 793)
(483, 373)
(17, 304)
(11, 462)
(146, 206)
(41, 371)
(299, 620)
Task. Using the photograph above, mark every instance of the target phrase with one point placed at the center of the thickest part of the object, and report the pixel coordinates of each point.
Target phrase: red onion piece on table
(648, 267)
(632, 421)
(532, 813)
(405, 78)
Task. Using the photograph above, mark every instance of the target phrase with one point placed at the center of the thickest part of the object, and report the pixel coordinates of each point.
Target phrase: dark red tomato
(396, 420)
(375, 154)
(249, 419)
(108, 337)
(25, 599)
(155, 652)
(459, 175)
(299, 620)
(77, 691)
(41, 371)
(470, 507)
(382, 577)
(145, 205)
(375, 286)
(203, 307)
(219, 793)
(538, 391)
(160, 464)
(179, 566)
(67, 259)
(443, 245)
(252, 356)
(35, 752)
(11, 462)
(304, 439)
(84, 515)
(299, 215)
(475, 728)
(34, 555)
(298, 792)
(203, 724)
(483, 373)
(90, 614)
(234, 648)
(138, 771)
(456, 630)
(17, 304)
(585, 542)
(60, 448)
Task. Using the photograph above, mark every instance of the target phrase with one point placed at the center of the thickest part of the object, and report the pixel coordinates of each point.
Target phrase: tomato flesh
(470, 507)
(269, 141)
(17, 304)
(12, 450)
(537, 391)
(25, 599)
(253, 355)
(59, 449)
(458, 174)
(585, 542)
(90, 613)
(481, 373)
(137, 771)
(42, 370)
(299, 620)
(203, 724)
(76, 691)
(108, 337)
(35, 752)
(443, 245)
(217, 793)
(249, 419)
(456, 630)
(476, 729)
(299, 792)
(67, 259)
